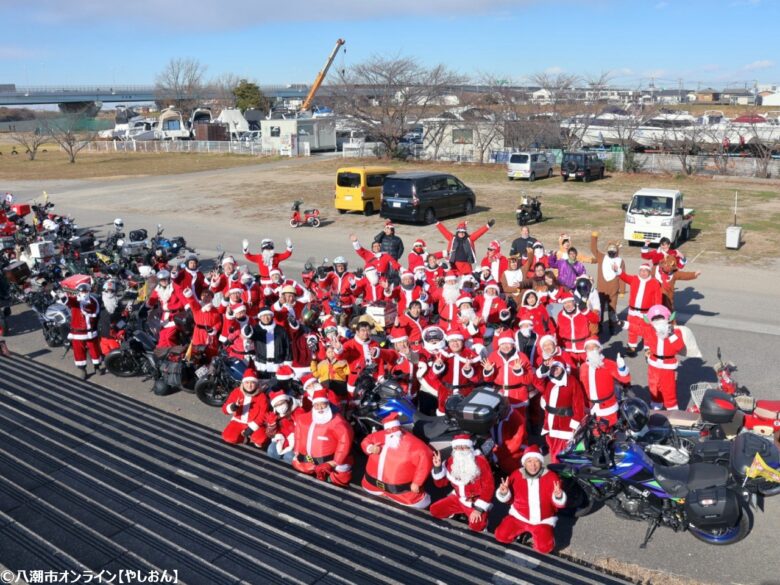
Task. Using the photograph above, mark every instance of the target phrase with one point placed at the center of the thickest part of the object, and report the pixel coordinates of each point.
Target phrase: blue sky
(717, 42)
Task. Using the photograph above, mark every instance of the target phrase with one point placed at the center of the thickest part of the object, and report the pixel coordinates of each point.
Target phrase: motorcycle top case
(479, 411)
(40, 250)
(85, 243)
(138, 235)
(17, 272)
(7, 243)
(717, 407)
(714, 507)
(133, 249)
(21, 209)
(69, 284)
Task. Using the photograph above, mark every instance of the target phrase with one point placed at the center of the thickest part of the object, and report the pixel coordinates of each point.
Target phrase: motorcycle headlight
(630, 219)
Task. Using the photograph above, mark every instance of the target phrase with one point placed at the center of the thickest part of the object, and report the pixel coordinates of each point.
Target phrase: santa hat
(538, 245)
(389, 224)
(646, 266)
(277, 397)
(462, 441)
(532, 451)
(284, 372)
(453, 335)
(566, 296)
(506, 337)
(235, 290)
(419, 244)
(265, 311)
(228, 260)
(391, 421)
(406, 272)
(274, 271)
(398, 334)
(495, 245)
(464, 299)
(329, 323)
(238, 308)
(319, 396)
(450, 274)
(249, 374)
(307, 380)
(592, 339)
(461, 227)
(492, 284)
(525, 319)
(545, 338)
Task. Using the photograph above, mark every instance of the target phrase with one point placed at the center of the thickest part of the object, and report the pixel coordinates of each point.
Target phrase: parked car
(657, 213)
(581, 165)
(529, 165)
(360, 188)
(424, 197)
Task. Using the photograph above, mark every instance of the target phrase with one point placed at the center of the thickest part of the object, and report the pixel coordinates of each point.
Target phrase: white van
(529, 165)
(657, 213)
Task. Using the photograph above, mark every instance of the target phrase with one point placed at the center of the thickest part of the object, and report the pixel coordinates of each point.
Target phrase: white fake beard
(268, 257)
(393, 440)
(282, 410)
(464, 466)
(372, 277)
(450, 293)
(321, 417)
(526, 331)
(110, 302)
(468, 314)
(662, 331)
(595, 359)
(538, 253)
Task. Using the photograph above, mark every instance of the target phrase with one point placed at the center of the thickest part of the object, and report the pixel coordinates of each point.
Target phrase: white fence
(194, 146)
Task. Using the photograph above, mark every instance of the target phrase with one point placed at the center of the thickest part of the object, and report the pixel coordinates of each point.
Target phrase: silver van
(529, 165)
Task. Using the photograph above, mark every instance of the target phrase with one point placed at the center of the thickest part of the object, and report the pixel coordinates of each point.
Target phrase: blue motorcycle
(216, 380)
(376, 401)
(601, 466)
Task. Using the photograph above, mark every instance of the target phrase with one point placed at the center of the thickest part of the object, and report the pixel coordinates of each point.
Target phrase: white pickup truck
(657, 213)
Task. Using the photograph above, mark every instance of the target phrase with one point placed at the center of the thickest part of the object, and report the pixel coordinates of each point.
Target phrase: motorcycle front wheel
(121, 364)
(211, 393)
(725, 536)
(294, 223)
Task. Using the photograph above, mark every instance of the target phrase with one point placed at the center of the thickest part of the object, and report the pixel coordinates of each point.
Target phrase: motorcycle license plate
(396, 204)
(201, 372)
(487, 446)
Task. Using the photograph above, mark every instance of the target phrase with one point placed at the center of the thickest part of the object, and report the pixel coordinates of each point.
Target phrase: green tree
(249, 96)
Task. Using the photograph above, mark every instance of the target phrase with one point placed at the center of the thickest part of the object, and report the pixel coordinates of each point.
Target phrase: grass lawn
(54, 164)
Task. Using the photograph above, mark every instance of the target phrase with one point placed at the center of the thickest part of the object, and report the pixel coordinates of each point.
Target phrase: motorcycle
(376, 401)
(135, 354)
(529, 210)
(54, 318)
(171, 246)
(217, 379)
(309, 217)
(603, 467)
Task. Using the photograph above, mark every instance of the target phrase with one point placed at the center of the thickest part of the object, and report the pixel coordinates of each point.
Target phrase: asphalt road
(727, 307)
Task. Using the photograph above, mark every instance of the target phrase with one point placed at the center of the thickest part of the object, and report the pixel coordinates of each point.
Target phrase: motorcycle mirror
(718, 354)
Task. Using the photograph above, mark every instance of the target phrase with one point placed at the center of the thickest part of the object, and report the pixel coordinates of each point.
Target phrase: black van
(424, 197)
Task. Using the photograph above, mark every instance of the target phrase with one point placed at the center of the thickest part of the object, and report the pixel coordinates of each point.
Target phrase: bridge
(11, 95)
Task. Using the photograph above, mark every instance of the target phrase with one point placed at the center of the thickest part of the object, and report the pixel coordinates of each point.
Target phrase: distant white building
(773, 99)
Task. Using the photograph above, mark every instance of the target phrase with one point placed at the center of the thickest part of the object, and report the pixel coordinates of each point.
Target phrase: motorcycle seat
(767, 409)
(309, 211)
(431, 429)
(678, 480)
(679, 418)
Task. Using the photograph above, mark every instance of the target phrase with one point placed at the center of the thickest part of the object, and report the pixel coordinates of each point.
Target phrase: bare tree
(384, 97)
(686, 142)
(180, 83)
(435, 131)
(67, 131)
(30, 141)
(762, 140)
(223, 87)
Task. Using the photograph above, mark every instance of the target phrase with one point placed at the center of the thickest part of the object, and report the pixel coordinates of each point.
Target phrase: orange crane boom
(321, 76)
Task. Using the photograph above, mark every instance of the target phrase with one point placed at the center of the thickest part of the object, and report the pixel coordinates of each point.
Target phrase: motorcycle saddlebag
(712, 452)
(713, 507)
(479, 411)
(744, 450)
(172, 373)
(138, 235)
(85, 243)
(717, 407)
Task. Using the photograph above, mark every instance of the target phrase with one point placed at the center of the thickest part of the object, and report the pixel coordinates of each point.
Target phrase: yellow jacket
(325, 370)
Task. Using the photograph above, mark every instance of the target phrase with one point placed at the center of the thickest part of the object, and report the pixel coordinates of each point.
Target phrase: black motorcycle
(135, 354)
(217, 379)
(529, 210)
(53, 316)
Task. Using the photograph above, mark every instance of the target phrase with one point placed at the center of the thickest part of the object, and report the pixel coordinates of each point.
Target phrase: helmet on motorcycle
(310, 316)
(658, 312)
(433, 338)
(635, 413)
(49, 225)
(340, 260)
(583, 286)
(109, 286)
(119, 224)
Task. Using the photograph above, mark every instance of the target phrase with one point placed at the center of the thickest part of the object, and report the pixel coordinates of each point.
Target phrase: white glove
(245, 245)
(621, 363)
(187, 293)
(288, 241)
(278, 438)
(267, 291)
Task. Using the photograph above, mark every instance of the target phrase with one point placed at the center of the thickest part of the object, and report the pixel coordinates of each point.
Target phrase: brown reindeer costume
(607, 283)
(668, 274)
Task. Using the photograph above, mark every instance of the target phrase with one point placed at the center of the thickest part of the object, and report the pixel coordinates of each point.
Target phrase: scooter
(307, 217)
(529, 210)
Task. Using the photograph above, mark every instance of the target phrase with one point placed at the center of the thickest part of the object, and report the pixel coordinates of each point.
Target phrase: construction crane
(321, 76)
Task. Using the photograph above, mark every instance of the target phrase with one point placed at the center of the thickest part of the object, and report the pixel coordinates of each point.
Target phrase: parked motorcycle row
(699, 471)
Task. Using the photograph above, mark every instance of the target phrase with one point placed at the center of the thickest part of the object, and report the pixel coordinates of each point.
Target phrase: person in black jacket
(520, 245)
(389, 242)
(272, 344)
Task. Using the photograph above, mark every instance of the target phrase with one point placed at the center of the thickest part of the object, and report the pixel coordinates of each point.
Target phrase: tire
(430, 216)
(511, 178)
(315, 222)
(209, 393)
(368, 210)
(532, 177)
(468, 207)
(121, 364)
(686, 234)
(601, 174)
(565, 178)
(730, 536)
(3, 326)
(294, 224)
(586, 176)
(342, 211)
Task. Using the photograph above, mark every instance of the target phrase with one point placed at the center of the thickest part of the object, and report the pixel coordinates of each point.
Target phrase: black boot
(83, 372)
(101, 369)
(631, 352)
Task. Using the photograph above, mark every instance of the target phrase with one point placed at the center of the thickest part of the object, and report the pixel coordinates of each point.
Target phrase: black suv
(581, 165)
(425, 197)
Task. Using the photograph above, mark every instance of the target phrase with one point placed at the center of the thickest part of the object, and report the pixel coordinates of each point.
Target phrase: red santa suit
(563, 402)
(511, 374)
(403, 296)
(643, 294)
(534, 506)
(391, 472)
(371, 293)
(264, 269)
(383, 262)
(192, 280)
(466, 496)
(83, 330)
(463, 266)
(573, 329)
(657, 256)
(248, 414)
(489, 307)
(339, 286)
(457, 373)
(662, 365)
(412, 327)
(599, 384)
(238, 346)
(509, 435)
(496, 261)
(171, 302)
(317, 445)
(281, 429)
(208, 325)
(358, 354)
